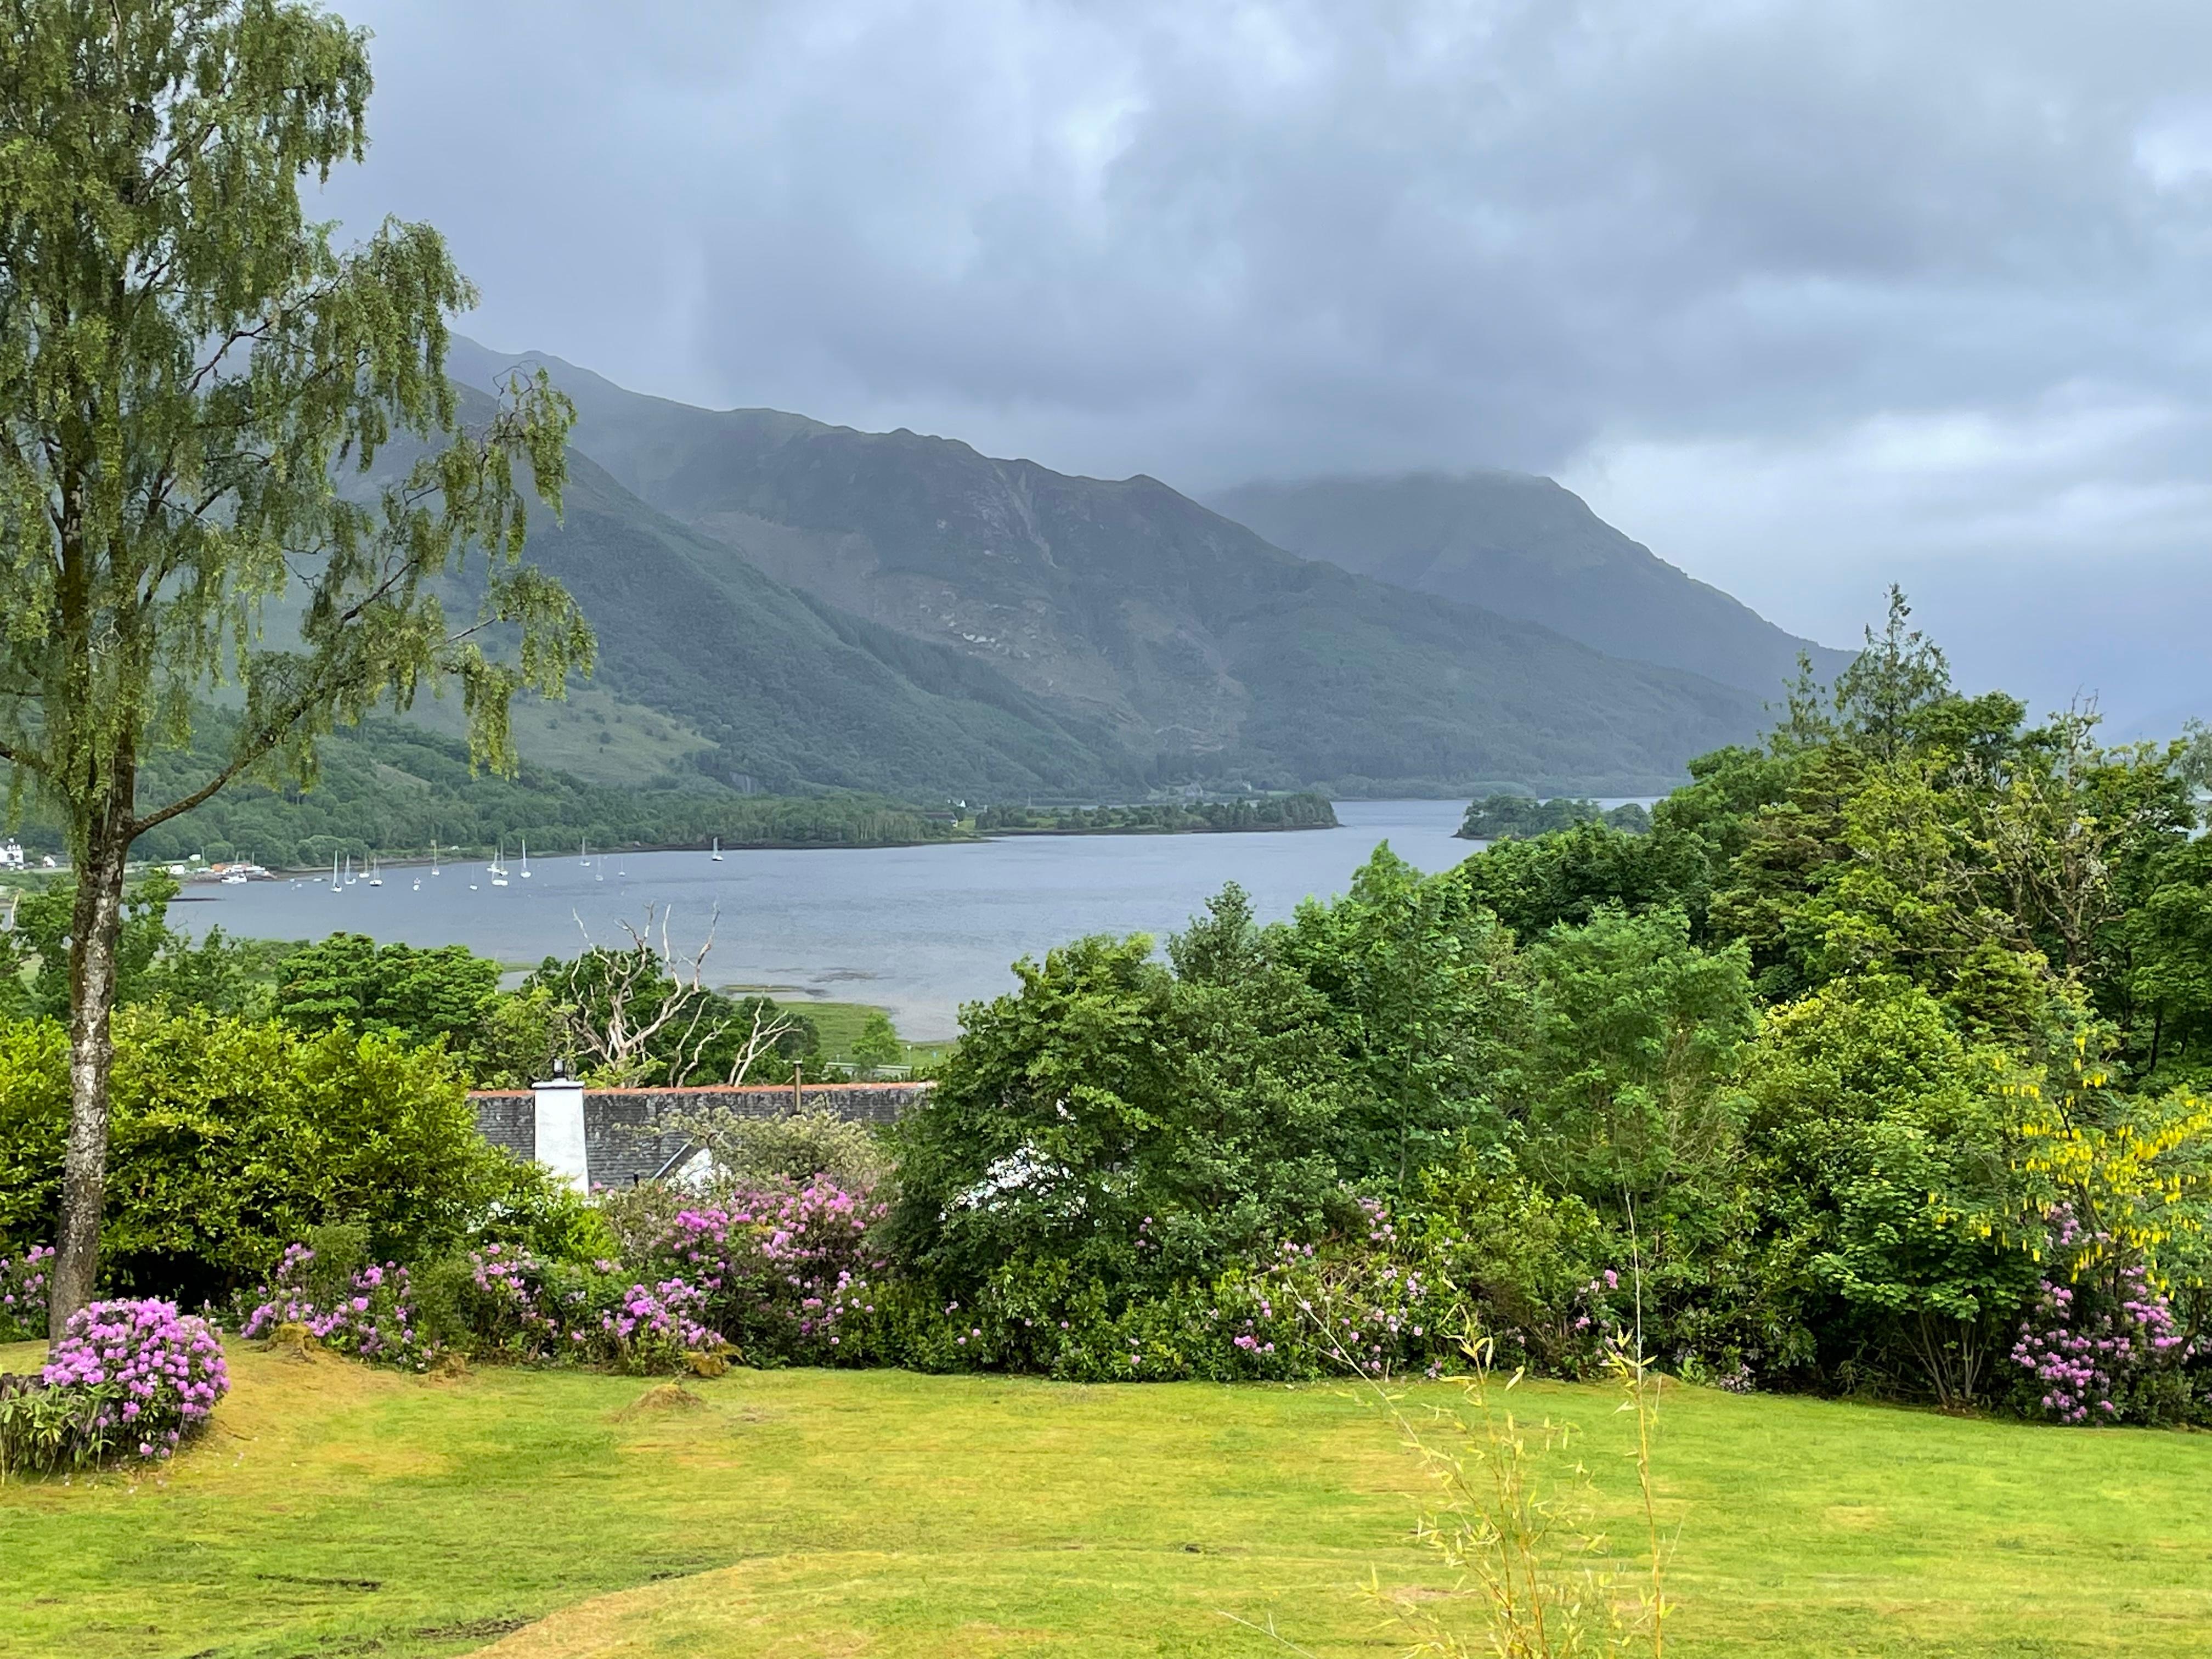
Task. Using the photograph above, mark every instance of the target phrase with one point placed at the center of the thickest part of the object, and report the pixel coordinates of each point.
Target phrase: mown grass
(338, 1510)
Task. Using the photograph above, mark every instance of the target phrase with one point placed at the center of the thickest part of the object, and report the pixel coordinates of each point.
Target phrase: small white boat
(718, 850)
(374, 880)
(334, 872)
(495, 870)
(524, 872)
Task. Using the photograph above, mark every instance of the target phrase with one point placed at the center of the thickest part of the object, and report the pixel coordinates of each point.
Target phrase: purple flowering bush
(365, 1309)
(529, 1308)
(786, 1272)
(23, 1294)
(128, 1379)
(2108, 1353)
(1300, 1310)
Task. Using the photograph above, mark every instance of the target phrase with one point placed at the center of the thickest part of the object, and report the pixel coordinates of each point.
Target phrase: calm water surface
(918, 930)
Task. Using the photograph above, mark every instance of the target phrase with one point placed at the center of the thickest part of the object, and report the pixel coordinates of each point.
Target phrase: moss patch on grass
(334, 1509)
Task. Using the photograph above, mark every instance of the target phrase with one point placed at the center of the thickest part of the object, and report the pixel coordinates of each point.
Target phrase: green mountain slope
(788, 692)
(1142, 620)
(1524, 547)
(389, 786)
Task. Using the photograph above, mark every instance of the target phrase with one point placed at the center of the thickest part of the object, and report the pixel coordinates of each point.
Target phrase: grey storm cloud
(1807, 296)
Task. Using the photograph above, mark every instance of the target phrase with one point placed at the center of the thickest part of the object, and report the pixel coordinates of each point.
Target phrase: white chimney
(561, 1127)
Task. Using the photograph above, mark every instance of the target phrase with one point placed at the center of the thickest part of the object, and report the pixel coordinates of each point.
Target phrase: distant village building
(11, 856)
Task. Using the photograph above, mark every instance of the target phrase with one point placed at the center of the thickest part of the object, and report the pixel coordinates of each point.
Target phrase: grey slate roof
(626, 1134)
(508, 1120)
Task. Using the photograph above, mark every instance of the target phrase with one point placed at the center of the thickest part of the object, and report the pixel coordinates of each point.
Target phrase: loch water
(918, 930)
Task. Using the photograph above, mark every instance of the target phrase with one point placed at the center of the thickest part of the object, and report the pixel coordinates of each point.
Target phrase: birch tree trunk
(96, 931)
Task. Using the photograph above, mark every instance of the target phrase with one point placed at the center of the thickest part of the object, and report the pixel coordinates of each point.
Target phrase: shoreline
(969, 838)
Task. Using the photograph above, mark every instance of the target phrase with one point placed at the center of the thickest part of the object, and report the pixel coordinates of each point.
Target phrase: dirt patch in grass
(662, 1400)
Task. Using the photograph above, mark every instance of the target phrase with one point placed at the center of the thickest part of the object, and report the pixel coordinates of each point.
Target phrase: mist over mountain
(1523, 546)
(1165, 642)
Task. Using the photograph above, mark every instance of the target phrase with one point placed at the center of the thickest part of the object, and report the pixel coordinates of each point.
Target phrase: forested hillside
(390, 786)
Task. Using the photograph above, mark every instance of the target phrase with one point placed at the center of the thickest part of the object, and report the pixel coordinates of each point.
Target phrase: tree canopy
(207, 407)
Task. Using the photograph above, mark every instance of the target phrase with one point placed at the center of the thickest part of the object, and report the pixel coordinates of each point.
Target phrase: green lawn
(840, 1024)
(336, 1510)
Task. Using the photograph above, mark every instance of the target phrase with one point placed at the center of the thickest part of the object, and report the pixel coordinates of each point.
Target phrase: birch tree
(209, 408)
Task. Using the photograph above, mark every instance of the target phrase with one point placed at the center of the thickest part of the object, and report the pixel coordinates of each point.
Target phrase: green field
(333, 1509)
(840, 1024)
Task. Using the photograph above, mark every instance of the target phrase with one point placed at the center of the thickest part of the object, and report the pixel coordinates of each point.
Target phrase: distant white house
(11, 855)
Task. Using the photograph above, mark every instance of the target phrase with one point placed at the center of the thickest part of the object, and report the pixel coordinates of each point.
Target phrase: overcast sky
(1808, 297)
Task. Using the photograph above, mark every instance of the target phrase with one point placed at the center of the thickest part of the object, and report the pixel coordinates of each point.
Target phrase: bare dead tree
(639, 1006)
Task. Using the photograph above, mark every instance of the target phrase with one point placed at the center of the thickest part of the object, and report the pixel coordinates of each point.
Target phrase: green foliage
(2164, 990)
(1132, 1121)
(1554, 1059)
(1884, 697)
(232, 1137)
(1621, 1080)
(1889, 1162)
(1413, 977)
(155, 965)
(1299, 812)
(34, 980)
(878, 1045)
(1568, 876)
(1512, 817)
(418, 996)
(1520, 1251)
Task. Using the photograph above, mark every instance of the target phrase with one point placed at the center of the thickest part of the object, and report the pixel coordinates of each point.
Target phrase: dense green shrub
(232, 1137)
(1134, 1122)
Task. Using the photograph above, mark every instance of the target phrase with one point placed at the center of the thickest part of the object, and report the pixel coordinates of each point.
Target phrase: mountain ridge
(1123, 607)
(1528, 547)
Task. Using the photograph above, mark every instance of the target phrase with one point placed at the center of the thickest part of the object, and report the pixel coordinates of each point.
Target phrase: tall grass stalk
(1512, 1518)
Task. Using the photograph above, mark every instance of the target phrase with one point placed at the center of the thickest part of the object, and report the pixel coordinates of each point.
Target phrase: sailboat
(334, 872)
(718, 850)
(374, 880)
(350, 878)
(495, 870)
(434, 857)
(524, 872)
